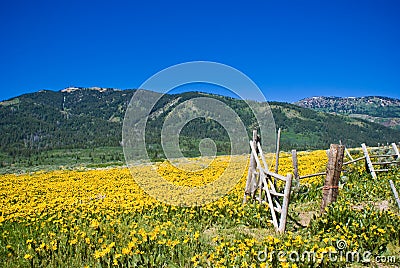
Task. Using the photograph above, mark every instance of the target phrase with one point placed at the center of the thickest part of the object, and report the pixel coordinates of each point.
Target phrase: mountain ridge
(92, 117)
(378, 109)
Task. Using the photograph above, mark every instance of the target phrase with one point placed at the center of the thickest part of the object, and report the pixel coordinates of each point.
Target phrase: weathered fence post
(278, 141)
(295, 169)
(368, 161)
(333, 170)
(396, 195)
(252, 169)
(396, 150)
(285, 204)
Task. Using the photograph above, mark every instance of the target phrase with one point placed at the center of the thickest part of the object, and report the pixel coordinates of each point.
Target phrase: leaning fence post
(396, 150)
(250, 175)
(368, 161)
(278, 141)
(295, 169)
(396, 195)
(333, 170)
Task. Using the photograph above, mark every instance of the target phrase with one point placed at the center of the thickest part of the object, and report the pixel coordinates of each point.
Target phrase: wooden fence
(261, 184)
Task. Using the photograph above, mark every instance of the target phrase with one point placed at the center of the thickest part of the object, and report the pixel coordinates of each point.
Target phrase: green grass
(63, 159)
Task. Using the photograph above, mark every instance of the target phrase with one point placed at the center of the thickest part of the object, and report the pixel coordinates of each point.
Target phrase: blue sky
(290, 49)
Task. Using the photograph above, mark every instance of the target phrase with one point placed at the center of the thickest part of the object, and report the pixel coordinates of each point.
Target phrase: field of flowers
(102, 218)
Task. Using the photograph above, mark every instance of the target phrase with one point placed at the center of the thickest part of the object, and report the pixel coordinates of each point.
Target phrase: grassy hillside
(35, 126)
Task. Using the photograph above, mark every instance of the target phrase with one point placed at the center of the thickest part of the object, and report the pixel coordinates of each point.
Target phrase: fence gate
(261, 185)
(383, 160)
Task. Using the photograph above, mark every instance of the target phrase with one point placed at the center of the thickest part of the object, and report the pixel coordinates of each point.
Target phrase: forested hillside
(92, 117)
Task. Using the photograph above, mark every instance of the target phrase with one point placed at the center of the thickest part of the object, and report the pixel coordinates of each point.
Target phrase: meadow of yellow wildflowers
(102, 218)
